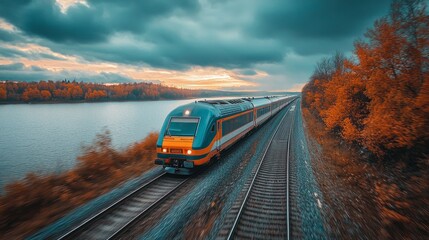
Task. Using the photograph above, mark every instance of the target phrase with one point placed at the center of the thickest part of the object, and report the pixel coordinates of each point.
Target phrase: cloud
(12, 66)
(9, 36)
(296, 87)
(18, 71)
(27, 53)
(8, 52)
(260, 44)
(87, 23)
(315, 26)
(247, 72)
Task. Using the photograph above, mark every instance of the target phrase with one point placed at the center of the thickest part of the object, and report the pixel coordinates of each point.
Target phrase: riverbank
(365, 198)
(66, 91)
(12, 92)
(37, 200)
(99, 101)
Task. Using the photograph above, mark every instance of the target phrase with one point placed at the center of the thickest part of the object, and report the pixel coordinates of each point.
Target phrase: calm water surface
(47, 138)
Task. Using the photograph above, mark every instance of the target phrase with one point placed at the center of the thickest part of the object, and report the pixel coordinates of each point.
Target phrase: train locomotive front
(187, 138)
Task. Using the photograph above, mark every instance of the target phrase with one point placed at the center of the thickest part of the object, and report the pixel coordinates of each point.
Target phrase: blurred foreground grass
(37, 200)
(363, 196)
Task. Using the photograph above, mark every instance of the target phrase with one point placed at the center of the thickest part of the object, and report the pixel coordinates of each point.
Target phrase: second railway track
(264, 212)
(113, 220)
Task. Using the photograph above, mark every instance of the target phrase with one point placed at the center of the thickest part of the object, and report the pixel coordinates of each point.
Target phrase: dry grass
(201, 224)
(37, 200)
(379, 199)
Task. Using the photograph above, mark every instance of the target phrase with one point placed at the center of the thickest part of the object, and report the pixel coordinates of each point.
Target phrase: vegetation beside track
(368, 115)
(37, 200)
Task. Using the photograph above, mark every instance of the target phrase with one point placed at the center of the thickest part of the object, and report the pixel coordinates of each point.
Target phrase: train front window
(182, 126)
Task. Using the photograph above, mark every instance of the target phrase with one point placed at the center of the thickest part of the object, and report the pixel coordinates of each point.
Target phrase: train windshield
(180, 126)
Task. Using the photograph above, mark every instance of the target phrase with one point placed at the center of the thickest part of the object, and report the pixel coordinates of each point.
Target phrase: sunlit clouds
(65, 4)
(6, 26)
(34, 56)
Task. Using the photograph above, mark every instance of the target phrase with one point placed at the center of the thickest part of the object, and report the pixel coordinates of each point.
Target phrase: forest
(66, 91)
(378, 99)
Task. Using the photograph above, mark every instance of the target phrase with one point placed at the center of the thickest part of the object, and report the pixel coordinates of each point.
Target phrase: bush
(38, 200)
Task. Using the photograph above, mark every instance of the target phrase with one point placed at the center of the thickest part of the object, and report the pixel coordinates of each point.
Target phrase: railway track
(115, 219)
(264, 212)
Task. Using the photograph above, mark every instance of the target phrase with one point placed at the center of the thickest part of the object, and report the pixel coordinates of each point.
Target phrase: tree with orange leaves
(3, 93)
(380, 101)
(46, 95)
(31, 94)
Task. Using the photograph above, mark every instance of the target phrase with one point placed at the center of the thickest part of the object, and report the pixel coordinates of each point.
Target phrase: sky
(264, 45)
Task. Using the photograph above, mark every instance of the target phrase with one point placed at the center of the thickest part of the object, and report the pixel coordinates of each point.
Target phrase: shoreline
(83, 101)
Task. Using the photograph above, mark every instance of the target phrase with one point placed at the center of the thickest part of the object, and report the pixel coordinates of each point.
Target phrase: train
(196, 133)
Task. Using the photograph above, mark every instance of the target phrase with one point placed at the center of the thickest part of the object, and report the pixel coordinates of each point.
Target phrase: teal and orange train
(194, 134)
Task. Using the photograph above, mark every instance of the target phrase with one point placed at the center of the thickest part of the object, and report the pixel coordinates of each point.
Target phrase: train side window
(213, 128)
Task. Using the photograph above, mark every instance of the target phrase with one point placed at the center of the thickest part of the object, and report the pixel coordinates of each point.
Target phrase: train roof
(259, 101)
(224, 107)
(228, 107)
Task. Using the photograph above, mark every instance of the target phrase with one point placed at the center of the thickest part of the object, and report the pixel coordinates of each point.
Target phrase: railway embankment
(364, 198)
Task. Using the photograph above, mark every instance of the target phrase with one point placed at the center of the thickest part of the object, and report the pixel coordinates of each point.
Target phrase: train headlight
(189, 152)
(164, 150)
(187, 112)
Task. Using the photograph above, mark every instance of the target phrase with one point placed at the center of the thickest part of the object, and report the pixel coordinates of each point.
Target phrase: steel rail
(287, 175)
(235, 224)
(81, 227)
(135, 218)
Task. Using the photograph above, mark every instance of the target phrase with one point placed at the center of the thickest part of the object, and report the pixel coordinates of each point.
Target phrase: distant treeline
(66, 91)
(379, 98)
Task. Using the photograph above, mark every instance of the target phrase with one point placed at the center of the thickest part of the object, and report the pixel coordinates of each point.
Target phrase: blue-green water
(45, 138)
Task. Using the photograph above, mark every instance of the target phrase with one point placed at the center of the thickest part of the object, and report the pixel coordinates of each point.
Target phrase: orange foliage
(79, 91)
(95, 95)
(380, 101)
(3, 94)
(46, 95)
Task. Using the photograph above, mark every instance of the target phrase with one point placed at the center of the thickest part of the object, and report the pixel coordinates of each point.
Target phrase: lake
(46, 138)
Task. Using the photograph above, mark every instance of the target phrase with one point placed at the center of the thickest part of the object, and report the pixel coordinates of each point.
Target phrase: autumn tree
(78, 91)
(392, 63)
(381, 99)
(45, 94)
(31, 94)
(75, 92)
(3, 93)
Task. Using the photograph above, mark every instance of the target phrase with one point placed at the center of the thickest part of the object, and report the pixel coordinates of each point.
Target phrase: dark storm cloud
(180, 53)
(87, 24)
(12, 66)
(9, 52)
(161, 39)
(18, 71)
(8, 36)
(215, 52)
(90, 28)
(316, 26)
(15, 53)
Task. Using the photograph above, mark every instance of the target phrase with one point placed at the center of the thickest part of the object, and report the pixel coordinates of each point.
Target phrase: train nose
(177, 145)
